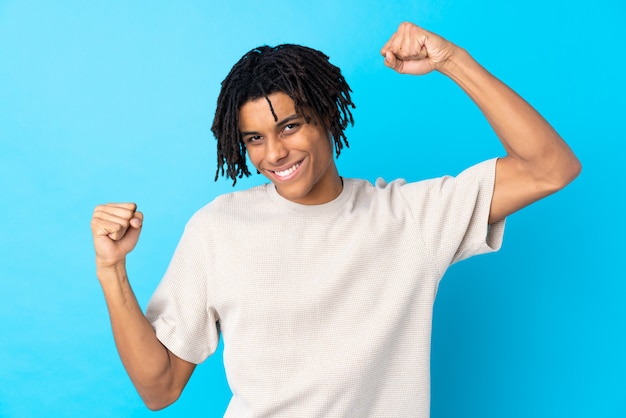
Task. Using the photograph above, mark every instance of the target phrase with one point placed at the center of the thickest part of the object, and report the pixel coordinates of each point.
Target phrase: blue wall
(111, 100)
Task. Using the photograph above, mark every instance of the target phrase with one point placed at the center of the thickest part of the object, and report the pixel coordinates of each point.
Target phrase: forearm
(538, 161)
(146, 360)
(526, 136)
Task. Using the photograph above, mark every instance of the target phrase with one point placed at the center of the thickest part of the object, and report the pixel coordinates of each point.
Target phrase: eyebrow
(279, 123)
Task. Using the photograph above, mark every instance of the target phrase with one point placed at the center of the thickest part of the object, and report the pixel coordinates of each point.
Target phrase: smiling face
(294, 155)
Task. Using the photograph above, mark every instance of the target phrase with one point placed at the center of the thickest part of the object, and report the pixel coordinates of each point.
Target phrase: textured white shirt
(324, 310)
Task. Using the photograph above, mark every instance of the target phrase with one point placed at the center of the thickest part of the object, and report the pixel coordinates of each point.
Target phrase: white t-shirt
(324, 310)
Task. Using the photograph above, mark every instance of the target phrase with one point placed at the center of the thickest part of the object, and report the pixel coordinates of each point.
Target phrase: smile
(289, 171)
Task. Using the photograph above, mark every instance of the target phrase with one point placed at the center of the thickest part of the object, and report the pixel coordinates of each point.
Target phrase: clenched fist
(115, 228)
(413, 50)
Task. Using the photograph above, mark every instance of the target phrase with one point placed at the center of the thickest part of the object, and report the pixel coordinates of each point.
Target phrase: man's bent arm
(538, 161)
(158, 375)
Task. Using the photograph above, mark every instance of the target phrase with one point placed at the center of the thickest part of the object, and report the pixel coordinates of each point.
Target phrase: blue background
(112, 101)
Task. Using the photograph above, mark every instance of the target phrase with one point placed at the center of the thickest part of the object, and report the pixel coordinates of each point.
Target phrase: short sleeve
(452, 214)
(179, 310)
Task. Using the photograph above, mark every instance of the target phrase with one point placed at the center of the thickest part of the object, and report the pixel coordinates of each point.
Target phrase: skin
(290, 146)
(158, 375)
(538, 163)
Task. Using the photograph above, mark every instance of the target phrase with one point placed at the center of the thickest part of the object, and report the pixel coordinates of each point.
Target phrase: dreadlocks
(317, 88)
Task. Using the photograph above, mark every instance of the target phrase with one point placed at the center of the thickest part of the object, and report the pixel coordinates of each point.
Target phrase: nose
(275, 150)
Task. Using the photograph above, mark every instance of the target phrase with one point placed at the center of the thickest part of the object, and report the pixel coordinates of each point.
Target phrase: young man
(321, 287)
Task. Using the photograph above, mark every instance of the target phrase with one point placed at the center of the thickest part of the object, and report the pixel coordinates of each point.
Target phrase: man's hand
(413, 50)
(115, 228)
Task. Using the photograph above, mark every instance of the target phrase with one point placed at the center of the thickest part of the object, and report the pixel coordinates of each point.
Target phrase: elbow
(156, 406)
(159, 397)
(571, 171)
(157, 403)
(565, 174)
(162, 386)
(577, 169)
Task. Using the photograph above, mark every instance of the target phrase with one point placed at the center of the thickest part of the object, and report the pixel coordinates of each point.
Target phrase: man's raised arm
(538, 161)
(158, 375)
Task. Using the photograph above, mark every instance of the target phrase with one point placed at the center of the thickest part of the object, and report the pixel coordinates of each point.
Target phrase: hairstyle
(317, 88)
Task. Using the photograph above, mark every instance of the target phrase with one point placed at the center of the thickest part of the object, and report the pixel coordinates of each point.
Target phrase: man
(321, 287)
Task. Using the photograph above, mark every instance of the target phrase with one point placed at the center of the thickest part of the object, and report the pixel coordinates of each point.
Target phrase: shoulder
(230, 206)
(429, 195)
(478, 175)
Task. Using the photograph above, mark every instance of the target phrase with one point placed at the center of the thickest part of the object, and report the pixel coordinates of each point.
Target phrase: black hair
(304, 74)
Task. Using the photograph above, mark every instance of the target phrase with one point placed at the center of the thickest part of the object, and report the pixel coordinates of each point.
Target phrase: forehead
(258, 112)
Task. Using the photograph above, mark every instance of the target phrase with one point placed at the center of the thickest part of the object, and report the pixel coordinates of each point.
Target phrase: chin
(293, 193)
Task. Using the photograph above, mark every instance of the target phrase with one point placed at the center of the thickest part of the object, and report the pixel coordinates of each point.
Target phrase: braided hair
(317, 88)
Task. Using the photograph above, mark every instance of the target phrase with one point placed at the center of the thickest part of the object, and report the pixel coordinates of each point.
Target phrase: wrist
(107, 272)
(456, 60)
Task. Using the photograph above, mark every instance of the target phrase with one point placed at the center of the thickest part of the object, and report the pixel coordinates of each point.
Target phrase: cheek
(325, 151)
(253, 157)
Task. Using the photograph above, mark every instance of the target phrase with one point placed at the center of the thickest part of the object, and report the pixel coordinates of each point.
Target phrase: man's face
(294, 155)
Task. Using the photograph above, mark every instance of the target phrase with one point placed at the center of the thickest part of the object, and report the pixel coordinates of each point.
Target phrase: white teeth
(287, 171)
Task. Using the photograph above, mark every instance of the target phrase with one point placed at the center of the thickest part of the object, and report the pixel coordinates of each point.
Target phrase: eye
(251, 139)
(290, 127)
